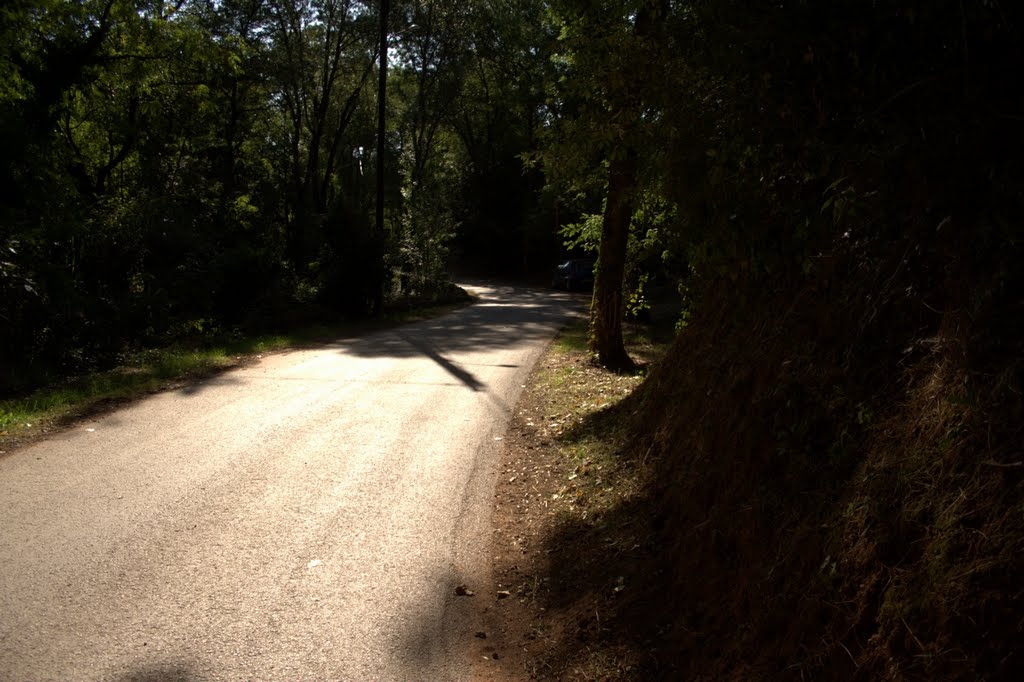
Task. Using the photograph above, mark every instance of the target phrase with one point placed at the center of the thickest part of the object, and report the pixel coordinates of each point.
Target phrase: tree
(325, 57)
(432, 48)
(172, 168)
(610, 51)
(505, 225)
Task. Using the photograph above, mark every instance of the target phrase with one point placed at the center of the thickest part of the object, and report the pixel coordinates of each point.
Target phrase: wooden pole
(381, 108)
(379, 236)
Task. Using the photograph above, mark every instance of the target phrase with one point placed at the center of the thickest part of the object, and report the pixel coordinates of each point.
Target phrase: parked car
(576, 274)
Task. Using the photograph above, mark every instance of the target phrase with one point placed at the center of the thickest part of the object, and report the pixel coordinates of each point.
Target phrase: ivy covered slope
(839, 485)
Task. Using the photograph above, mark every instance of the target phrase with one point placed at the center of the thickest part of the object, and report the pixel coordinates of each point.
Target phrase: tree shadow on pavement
(161, 672)
(503, 318)
(465, 376)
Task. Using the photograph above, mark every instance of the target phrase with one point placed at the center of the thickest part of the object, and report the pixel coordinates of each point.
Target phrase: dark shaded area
(510, 229)
(441, 636)
(836, 489)
(511, 314)
(817, 503)
(161, 672)
(462, 375)
(826, 498)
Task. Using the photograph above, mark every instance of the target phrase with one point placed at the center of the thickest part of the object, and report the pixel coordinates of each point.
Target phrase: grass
(643, 341)
(573, 338)
(158, 368)
(140, 373)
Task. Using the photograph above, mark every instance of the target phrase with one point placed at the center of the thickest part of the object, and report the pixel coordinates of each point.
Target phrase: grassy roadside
(568, 518)
(52, 407)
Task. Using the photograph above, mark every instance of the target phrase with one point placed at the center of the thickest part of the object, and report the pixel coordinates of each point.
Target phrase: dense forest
(172, 168)
(833, 190)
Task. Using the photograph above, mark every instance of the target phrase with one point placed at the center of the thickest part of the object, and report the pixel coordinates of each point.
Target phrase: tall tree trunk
(607, 307)
(379, 235)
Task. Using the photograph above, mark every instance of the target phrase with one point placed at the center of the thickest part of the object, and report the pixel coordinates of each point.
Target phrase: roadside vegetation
(176, 169)
(831, 484)
(154, 369)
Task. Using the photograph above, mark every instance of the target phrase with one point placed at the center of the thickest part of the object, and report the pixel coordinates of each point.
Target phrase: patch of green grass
(141, 372)
(574, 338)
(582, 394)
(641, 340)
(155, 368)
(146, 371)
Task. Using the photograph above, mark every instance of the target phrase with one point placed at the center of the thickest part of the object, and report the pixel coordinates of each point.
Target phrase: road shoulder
(563, 501)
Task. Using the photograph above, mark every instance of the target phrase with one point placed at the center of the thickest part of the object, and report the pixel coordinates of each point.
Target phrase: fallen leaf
(463, 591)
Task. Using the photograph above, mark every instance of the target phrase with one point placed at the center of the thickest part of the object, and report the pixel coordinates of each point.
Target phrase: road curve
(308, 516)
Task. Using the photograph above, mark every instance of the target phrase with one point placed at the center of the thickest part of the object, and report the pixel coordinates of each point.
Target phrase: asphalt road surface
(309, 516)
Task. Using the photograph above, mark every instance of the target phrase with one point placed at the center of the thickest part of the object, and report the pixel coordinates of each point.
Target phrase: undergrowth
(838, 482)
(822, 479)
(139, 373)
(152, 369)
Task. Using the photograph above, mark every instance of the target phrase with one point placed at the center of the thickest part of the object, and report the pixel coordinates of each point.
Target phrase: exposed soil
(820, 481)
(569, 523)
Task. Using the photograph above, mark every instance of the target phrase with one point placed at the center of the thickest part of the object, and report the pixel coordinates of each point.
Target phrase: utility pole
(378, 232)
(381, 108)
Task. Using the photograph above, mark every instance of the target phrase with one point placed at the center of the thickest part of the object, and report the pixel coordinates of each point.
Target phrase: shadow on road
(504, 316)
(462, 375)
(445, 642)
(160, 672)
(221, 378)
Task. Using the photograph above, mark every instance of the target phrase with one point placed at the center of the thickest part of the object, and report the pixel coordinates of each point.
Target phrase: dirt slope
(839, 478)
(822, 479)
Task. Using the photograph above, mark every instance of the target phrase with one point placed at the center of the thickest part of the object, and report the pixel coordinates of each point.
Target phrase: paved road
(305, 517)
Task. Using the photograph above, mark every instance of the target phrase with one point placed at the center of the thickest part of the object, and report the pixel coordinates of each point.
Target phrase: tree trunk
(607, 307)
(378, 274)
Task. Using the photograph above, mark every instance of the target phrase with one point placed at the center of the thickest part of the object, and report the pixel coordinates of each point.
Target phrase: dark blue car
(576, 274)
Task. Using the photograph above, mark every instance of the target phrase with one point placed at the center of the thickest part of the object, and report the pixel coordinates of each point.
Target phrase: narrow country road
(306, 517)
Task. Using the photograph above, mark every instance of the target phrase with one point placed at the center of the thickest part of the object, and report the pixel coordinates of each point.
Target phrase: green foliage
(215, 161)
(583, 235)
(637, 305)
(147, 370)
(652, 249)
(772, 130)
(793, 127)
